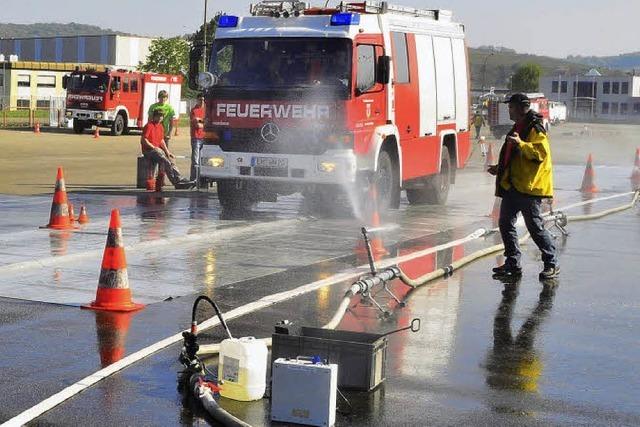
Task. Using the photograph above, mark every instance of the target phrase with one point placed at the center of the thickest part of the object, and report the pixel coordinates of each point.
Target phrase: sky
(547, 27)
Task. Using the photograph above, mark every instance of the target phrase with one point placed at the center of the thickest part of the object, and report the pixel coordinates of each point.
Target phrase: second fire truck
(312, 99)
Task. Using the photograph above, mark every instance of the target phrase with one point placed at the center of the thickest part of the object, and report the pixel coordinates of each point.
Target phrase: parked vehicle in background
(500, 123)
(557, 112)
(319, 99)
(117, 99)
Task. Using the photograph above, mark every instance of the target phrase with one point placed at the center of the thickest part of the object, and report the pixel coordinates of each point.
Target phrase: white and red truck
(312, 99)
(498, 115)
(117, 99)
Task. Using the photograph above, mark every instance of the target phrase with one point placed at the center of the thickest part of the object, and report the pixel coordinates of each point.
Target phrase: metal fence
(25, 111)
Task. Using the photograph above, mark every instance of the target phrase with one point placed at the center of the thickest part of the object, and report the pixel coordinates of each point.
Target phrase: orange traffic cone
(72, 214)
(495, 212)
(377, 247)
(96, 133)
(491, 157)
(36, 128)
(588, 180)
(59, 217)
(83, 218)
(635, 174)
(113, 292)
(112, 329)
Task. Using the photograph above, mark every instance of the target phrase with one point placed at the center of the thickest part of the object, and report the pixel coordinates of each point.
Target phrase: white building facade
(596, 97)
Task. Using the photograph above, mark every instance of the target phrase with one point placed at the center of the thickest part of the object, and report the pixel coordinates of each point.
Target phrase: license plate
(270, 162)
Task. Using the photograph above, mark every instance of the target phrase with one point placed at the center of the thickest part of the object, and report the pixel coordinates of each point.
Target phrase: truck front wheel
(387, 182)
(79, 126)
(118, 125)
(436, 190)
(235, 195)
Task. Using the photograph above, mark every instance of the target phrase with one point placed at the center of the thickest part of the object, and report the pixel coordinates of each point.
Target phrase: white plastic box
(303, 392)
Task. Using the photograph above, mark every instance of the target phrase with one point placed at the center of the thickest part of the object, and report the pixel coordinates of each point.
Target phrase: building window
(125, 84)
(563, 87)
(554, 86)
(605, 108)
(46, 81)
(625, 88)
(614, 108)
(401, 59)
(43, 104)
(624, 108)
(606, 87)
(134, 85)
(23, 103)
(636, 108)
(24, 80)
(615, 88)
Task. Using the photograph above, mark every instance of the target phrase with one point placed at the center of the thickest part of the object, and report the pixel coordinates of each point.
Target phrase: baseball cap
(518, 98)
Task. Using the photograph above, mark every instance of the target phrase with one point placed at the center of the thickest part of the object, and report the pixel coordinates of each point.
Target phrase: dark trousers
(531, 208)
(169, 168)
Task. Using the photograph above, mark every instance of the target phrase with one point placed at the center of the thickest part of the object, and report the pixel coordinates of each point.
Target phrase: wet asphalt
(488, 352)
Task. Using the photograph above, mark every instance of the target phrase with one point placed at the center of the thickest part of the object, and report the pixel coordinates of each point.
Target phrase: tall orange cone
(112, 329)
(491, 157)
(588, 180)
(59, 217)
(83, 218)
(377, 247)
(635, 174)
(113, 292)
(72, 214)
(96, 133)
(36, 128)
(495, 212)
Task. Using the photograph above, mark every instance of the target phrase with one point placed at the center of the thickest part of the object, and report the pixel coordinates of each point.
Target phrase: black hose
(215, 307)
(212, 407)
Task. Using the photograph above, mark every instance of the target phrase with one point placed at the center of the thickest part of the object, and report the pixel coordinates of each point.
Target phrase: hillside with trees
(53, 29)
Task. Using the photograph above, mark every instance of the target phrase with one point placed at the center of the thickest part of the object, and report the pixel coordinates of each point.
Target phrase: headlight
(328, 167)
(99, 116)
(216, 162)
(68, 114)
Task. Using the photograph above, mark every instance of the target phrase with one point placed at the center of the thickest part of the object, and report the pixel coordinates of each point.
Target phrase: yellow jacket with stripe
(530, 169)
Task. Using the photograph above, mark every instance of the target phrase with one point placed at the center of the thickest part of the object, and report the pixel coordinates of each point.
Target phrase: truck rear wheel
(235, 195)
(436, 190)
(118, 125)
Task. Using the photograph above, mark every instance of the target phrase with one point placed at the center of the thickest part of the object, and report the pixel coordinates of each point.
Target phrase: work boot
(507, 270)
(549, 272)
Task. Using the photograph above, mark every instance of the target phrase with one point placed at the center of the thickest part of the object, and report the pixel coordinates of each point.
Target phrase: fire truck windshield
(88, 82)
(282, 63)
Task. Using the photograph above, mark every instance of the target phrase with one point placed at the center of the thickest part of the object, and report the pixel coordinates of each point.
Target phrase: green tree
(526, 78)
(170, 56)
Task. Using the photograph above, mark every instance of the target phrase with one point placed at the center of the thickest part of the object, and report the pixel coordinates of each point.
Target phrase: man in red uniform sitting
(155, 150)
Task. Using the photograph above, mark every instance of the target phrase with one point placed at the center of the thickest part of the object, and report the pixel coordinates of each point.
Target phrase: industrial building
(112, 50)
(593, 96)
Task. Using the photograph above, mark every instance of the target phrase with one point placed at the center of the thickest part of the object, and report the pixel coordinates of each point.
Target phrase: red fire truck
(314, 99)
(117, 99)
(499, 122)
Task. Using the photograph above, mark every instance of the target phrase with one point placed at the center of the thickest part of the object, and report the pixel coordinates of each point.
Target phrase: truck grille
(290, 141)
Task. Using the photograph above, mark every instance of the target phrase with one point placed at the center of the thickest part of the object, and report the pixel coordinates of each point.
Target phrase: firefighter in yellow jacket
(524, 177)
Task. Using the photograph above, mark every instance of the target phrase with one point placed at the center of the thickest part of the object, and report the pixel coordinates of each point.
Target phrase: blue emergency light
(228, 21)
(345, 19)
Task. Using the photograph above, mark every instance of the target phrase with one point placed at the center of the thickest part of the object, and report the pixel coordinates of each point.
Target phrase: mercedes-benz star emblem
(270, 132)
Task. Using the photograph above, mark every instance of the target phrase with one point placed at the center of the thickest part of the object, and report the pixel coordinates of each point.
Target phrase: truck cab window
(125, 84)
(401, 57)
(366, 73)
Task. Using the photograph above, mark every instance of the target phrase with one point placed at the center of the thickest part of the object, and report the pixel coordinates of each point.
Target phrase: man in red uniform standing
(155, 150)
(197, 135)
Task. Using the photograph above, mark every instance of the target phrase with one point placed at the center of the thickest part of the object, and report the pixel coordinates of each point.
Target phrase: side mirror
(206, 80)
(65, 81)
(383, 71)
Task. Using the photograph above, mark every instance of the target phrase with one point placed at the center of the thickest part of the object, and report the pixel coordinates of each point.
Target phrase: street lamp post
(204, 38)
(484, 71)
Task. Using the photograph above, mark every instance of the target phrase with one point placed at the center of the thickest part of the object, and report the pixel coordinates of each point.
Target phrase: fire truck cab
(117, 99)
(312, 99)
